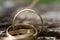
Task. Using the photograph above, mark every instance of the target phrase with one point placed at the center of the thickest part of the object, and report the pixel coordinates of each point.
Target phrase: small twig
(32, 4)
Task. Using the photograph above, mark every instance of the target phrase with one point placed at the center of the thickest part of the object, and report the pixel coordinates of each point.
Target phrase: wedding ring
(22, 26)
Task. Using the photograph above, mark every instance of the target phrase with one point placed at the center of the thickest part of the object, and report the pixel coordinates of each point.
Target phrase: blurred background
(47, 8)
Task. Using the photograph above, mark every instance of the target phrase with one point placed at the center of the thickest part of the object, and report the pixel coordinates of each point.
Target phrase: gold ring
(22, 36)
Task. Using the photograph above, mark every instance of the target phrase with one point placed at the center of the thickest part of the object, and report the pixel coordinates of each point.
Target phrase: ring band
(21, 36)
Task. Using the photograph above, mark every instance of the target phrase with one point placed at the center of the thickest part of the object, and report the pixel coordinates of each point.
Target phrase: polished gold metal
(28, 32)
